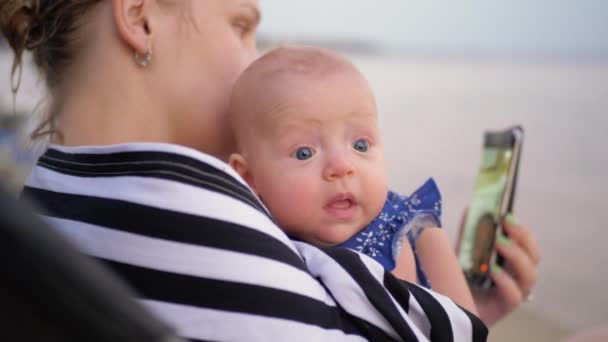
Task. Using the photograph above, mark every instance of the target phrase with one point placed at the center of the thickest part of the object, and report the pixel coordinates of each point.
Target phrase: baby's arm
(406, 264)
(439, 261)
(440, 265)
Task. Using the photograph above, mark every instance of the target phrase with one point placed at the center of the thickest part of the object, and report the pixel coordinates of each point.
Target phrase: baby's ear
(240, 165)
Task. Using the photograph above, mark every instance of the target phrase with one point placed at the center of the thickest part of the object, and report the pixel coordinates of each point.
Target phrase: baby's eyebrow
(299, 126)
(361, 114)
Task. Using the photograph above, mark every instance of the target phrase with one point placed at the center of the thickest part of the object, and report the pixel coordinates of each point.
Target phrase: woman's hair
(46, 28)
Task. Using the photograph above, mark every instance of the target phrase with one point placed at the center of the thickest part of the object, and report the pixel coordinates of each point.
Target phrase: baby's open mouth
(342, 206)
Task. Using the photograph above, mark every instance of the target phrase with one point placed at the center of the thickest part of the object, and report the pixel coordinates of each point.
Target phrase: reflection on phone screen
(484, 212)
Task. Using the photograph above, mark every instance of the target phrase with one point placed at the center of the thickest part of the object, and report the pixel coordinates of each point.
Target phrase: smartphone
(492, 199)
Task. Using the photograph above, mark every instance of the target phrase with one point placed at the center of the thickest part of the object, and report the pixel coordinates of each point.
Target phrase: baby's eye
(361, 145)
(303, 153)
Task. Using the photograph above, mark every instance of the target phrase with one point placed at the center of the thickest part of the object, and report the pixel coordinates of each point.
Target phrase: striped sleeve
(407, 311)
(205, 256)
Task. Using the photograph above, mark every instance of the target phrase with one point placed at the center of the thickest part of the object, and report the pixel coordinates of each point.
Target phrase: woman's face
(200, 55)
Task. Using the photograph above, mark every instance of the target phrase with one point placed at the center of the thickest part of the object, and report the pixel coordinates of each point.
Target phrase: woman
(139, 87)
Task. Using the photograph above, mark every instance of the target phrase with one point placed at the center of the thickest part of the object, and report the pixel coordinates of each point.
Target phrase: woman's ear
(131, 18)
(239, 164)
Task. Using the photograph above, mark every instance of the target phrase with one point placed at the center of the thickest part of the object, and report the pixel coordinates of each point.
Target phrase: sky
(541, 27)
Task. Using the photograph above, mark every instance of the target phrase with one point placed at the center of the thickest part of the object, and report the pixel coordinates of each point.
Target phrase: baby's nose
(338, 167)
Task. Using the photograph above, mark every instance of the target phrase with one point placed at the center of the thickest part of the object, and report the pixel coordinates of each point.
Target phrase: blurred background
(443, 72)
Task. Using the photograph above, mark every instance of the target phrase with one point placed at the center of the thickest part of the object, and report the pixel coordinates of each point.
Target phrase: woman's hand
(515, 282)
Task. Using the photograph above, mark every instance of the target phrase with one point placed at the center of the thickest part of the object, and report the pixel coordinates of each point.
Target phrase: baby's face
(317, 160)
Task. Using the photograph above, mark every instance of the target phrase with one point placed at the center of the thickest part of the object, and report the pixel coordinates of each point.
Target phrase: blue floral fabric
(401, 217)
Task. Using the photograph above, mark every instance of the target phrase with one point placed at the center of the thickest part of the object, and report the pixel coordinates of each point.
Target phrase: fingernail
(511, 220)
(503, 240)
(495, 268)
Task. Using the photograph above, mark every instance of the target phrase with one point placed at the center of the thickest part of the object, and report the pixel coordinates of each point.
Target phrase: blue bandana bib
(401, 217)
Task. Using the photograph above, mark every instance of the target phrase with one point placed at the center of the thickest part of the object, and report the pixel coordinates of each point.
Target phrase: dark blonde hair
(46, 28)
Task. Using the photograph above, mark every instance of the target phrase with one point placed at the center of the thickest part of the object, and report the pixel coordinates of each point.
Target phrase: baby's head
(306, 126)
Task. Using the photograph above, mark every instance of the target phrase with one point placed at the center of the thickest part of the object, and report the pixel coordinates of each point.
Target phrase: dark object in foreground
(51, 292)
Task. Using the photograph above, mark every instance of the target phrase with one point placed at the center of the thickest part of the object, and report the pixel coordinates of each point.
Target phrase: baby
(306, 127)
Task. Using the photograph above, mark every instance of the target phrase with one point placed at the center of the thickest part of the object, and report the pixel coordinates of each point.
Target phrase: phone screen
(494, 180)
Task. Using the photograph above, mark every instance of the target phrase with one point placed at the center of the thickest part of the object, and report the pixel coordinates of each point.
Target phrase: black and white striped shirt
(188, 234)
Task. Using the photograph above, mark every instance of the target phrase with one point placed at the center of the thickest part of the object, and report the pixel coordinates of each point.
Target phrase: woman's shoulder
(162, 178)
(153, 195)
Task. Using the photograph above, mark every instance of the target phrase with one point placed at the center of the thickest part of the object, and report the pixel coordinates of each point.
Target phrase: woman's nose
(338, 167)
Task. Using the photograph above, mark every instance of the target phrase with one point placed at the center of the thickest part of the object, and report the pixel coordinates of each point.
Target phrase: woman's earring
(145, 60)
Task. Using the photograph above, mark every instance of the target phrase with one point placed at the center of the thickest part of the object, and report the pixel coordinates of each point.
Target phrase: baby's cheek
(292, 205)
(376, 190)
